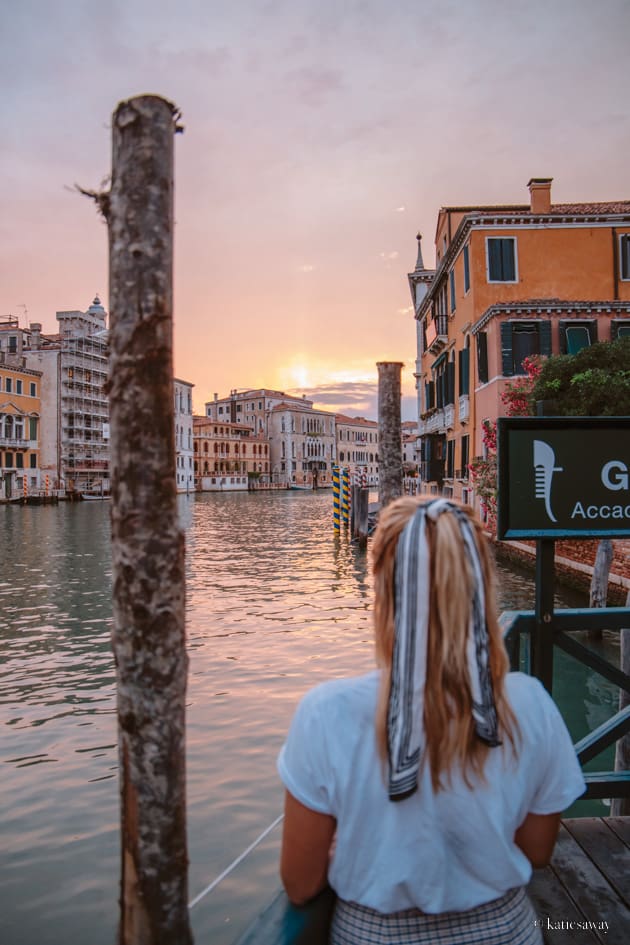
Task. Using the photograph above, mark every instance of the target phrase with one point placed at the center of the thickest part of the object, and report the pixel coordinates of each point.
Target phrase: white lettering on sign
(600, 511)
(615, 475)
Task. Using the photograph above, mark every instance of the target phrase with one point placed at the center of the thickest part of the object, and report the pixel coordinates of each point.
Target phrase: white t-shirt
(453, 850)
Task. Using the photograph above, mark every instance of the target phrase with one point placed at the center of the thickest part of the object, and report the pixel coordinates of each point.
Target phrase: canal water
(276, 603)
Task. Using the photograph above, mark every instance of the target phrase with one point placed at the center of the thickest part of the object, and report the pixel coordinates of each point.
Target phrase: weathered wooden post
(147, 544)
(389, 432)
(598, 596)
(620, 806)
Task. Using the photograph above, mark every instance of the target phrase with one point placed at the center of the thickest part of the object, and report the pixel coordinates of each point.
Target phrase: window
(18, 386)
(8, 460)
(465, 456)
(482, 357)
(624, 255)
(501, 258)
(8, 385)
(466, 268)
(450, 459)
(33, 460)
(619, 329)
(520, 340)
(464, 369)
(451, 280)
(33, 389)
(19, 460)
(12, 344)
(575, 335)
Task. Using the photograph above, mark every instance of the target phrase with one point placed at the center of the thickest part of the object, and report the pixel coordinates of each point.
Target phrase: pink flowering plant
(518, 398)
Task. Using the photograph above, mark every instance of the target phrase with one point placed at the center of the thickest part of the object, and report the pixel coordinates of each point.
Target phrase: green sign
(563, 477)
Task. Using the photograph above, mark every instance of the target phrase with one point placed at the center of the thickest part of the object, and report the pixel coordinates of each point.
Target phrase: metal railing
(530, 640)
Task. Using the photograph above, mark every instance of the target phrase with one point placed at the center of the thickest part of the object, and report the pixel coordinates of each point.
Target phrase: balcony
(449, 416)
(435, 423)
(422, 427)
(464, 408)
(17, 443)
(437, 334)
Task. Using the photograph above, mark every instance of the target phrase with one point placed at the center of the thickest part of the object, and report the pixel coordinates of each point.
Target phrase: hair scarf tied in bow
(405, 730)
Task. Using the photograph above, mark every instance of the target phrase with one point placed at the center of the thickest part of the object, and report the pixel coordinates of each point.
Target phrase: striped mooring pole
(345, 495)
(335, 487)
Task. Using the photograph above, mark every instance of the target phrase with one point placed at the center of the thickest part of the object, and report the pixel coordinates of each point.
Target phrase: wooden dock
(583, 896)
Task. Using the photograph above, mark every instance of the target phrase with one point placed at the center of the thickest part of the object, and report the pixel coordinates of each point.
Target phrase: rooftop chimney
(36, 335)
(540, 194)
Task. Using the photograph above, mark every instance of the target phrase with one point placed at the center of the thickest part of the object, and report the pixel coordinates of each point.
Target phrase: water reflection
(275, 603)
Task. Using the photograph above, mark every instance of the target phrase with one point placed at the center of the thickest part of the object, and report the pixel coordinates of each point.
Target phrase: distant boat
(294, 485)
(95, 496)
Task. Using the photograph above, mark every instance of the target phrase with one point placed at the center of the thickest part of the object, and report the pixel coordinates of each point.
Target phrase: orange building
(510, 281)
(227, 455)
(20, 417)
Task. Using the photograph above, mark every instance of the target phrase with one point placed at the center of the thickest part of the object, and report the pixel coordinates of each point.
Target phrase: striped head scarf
(405, 731)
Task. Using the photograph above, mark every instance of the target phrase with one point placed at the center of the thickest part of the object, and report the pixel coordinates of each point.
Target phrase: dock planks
(583, 896)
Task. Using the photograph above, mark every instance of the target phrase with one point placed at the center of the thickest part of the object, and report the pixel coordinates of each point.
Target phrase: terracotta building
(509, 281)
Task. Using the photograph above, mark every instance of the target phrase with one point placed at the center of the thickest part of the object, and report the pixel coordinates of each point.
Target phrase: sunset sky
(320, 136)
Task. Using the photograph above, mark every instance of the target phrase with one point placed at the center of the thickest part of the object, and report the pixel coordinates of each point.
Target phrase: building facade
(228, 456)
(20, 416)
(75, 410)
(510, 281)
(357, 446)
(184, 452)
(302, 445)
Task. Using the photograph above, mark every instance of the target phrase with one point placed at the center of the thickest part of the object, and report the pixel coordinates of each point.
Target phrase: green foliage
(595, 382)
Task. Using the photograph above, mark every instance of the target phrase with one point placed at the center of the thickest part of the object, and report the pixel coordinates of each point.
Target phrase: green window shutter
(592, 330)
(482, 357)
(465, 376)
(507, 260)
(495, 270)
(466, 269)
(507, 359)
(33, 428)
(450, 383)
(545, 337)
(451, 280)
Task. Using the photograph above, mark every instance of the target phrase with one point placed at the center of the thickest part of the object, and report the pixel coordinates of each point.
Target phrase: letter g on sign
(615, 475)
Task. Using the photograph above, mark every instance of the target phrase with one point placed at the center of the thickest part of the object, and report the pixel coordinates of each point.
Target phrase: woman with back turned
(425, 791)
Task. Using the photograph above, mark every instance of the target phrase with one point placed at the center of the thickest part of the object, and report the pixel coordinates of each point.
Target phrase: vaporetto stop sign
(563, 477)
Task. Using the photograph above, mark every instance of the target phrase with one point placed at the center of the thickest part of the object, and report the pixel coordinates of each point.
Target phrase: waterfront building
(228, 456)
(510, 281)
(20, 416)
(410, 447)
(302, 444)
(75, 410)
(251, 407)
(357, 445)
(184, 452)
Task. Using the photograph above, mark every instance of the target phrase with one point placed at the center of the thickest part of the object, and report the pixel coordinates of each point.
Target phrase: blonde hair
(451, 741)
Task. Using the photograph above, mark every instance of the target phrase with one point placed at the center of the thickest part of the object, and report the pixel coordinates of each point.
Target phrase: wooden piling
(390, 469)
(620, 806)
(147, 543)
